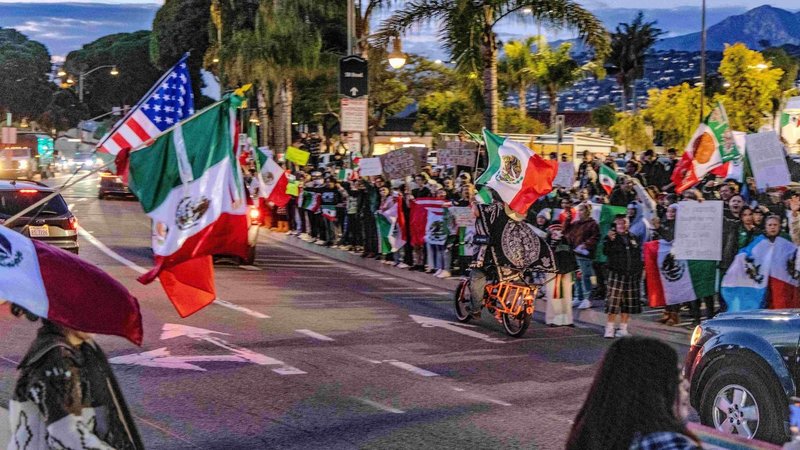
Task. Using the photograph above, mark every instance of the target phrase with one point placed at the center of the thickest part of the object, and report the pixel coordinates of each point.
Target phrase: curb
(594, 316)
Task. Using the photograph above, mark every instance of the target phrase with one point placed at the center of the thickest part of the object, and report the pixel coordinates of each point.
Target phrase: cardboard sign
(767, 160)
(458, 154)
(698, 231)
(370, 167)
(565, 177)
(403, 162)
(462, 216)
(293, 188)
(297, 156)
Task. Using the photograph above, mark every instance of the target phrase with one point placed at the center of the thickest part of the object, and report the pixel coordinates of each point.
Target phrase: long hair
(634, 392)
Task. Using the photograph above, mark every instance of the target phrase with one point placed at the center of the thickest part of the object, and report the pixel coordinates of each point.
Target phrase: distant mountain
(765, 23)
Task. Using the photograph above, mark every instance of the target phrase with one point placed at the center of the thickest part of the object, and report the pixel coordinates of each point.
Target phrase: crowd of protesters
(608, 267)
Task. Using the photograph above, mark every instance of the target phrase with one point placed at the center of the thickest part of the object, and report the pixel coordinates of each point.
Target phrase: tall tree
(630, 130)
(468, 32)
(753, 86)
(555, 70)
(516, 67)
(629, 46)
(129, 52)
(25, 88)
(673, 113)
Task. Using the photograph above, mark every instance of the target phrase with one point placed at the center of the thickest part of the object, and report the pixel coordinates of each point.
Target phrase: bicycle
(511, 300)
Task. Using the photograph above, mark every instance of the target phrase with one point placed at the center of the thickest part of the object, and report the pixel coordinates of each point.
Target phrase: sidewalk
(645, 323)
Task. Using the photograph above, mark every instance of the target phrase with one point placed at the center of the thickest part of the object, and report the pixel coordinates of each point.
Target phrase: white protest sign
(462, 216)
(566, 175)
(370, 167)
(698, 231)
(767, 160)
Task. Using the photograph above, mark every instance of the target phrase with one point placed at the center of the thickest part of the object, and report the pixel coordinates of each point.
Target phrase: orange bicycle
(511, 300)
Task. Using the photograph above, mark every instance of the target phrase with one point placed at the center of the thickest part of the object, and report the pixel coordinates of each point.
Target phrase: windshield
(12, 202)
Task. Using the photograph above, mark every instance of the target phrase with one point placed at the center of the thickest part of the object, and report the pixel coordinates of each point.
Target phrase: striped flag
(168, 102)
(672, 281)
(608, 178)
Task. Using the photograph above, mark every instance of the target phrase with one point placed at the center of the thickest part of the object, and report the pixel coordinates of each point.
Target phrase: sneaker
(387, 262)
(438, 271)
(444, 274)
(319, 242)
(304, 236)
(402, 265)
(575, 303)
(609, 334)
(586, 304)
(622, 333)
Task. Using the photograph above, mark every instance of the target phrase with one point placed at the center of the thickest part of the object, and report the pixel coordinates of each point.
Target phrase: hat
(546, 213)
(555, 227)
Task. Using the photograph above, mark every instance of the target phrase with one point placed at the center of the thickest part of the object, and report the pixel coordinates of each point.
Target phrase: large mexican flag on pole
(672, 281)
(516, 173)
(189, 183)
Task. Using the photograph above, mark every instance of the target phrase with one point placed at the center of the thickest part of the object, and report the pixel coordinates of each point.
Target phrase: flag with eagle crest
(672, 281)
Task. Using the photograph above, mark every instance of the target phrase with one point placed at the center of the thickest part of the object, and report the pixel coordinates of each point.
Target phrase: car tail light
(698, 331)
(28, 191)
(255, 214)
(72, 223)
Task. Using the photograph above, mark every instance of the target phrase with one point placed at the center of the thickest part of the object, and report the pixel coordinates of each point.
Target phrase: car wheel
(744, 401)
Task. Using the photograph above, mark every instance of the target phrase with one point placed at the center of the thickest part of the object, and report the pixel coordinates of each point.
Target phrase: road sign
(354, 114)
(353, 76)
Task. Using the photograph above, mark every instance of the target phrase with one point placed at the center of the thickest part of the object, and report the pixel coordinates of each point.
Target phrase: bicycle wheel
(516, 325)
(462, 302)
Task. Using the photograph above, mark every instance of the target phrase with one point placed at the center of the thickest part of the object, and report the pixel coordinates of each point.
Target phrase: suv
(54, 223)
(743, 368)
(112, 185)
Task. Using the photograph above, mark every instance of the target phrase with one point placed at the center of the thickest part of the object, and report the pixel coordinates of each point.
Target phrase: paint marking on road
(458, 328)
(315, 335)
(103, 248)
(413, 369)
(377, 405)
(82, 199)
(250, 268)
(484, 398)
(394, 288)
(241, 309)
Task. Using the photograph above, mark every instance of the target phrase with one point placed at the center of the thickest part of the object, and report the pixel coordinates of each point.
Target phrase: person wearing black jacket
(330, 196)
(623, 193)
(624, 254)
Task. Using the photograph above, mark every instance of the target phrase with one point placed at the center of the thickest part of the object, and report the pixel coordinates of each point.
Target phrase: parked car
(53, 223)
(743, 369)
(112, 185)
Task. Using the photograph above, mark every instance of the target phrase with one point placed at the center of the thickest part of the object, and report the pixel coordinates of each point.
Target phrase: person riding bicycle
(507, 246)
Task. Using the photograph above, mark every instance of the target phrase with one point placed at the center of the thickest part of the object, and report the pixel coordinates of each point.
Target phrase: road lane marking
(428, 322)
(315, 335)
(487, 399)
(137, 268)
(413, 369)
(250, 268)
(379, 406)
(70, 206)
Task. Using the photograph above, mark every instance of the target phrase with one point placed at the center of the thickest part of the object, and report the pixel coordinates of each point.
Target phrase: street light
(397, 58)
(114, 72)
(254, 117)
(61, 73)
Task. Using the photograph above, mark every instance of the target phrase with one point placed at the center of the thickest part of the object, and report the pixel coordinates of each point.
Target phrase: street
(305, 352)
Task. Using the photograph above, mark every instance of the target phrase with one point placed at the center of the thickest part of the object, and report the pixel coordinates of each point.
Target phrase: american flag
(169, 101)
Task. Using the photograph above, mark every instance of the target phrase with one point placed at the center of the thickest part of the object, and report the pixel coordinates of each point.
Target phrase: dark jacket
(730, 239)
(624, 254)
(621, 198)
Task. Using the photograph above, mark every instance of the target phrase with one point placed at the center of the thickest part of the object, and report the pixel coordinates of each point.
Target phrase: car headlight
(698, 331)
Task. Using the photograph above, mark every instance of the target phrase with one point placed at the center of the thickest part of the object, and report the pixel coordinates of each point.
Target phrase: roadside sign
(353, 76)
(354, 114)
(9, 135)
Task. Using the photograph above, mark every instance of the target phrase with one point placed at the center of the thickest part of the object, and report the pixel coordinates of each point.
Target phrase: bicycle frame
(510, 298)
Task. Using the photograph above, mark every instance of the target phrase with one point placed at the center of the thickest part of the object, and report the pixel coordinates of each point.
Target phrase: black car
(53, 222)
(112, 185)
(743, 369)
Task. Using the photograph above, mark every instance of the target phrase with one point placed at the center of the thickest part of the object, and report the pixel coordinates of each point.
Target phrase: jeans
(330, 230)
(583, 288)
(438, 256)
(477, 286)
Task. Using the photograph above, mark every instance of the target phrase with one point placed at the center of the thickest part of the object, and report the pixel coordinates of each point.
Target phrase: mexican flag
(427, 221)
(516, 173)
(608, 178)
(329, 212)
(465, 235)
(189, 184)
(734, 169)
(311, 201)
(711, 145)
(272, 179)
(604, 215)
(391, 226)
(672, 281)
(790, 127)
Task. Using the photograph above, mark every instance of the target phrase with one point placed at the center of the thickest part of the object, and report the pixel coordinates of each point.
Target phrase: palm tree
(629, 46)
(556, 70)
(468, 32)
(516, 65)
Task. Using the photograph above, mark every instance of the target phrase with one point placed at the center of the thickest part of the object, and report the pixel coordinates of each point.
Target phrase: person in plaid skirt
(623, 250)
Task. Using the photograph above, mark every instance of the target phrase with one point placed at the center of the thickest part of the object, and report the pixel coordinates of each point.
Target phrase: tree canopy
(25, 88)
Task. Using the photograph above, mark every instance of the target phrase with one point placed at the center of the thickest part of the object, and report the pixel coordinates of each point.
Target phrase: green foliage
(629, 45)
(517, 67)
(512, 120)
(555, 70)
(753, 86)
(446, 112)
(129, 53)
(631, 131)
(64, 111)
(674, 113)
(603, 117)
(182, 26)
(25, 89)
(786, 62)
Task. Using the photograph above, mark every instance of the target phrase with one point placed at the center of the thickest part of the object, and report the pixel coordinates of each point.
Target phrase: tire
(516, 326)
(760, 412)
(462, 302)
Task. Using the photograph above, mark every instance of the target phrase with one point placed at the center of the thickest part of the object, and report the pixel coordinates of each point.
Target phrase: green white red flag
(391, 226)
(608, 178)
(272, 180)
(672, 281)
(427, 221)
(604, 215)
(516, 173)
(189, 183)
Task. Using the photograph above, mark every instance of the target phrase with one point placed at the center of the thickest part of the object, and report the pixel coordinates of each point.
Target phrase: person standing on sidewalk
(624, 276)
(558, 289)
(583, 235)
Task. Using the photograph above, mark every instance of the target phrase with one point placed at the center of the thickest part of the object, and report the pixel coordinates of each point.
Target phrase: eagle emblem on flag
(189, 212)
(8, 258)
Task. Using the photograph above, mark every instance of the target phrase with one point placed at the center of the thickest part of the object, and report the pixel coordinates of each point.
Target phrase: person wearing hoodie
(638, 224)
(583, 236)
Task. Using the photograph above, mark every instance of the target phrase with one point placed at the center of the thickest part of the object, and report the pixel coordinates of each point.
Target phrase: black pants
(370, 234)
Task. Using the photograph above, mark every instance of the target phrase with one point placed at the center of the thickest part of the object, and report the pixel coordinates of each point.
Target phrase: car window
(12, 202)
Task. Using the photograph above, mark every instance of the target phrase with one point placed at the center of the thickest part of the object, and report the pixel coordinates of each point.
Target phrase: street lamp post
(703, 60)
(82, 75)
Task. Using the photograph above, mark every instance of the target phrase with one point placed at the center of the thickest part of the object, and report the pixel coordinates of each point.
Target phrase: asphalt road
(304, 352)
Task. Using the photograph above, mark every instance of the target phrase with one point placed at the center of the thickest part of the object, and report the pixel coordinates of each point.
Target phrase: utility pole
(703, 62)
(351, 25)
